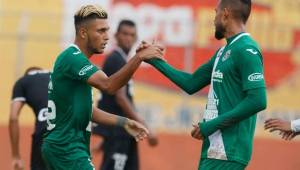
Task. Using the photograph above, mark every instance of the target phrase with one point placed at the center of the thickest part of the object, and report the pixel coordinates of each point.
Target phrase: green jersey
(236, 94)
(70, 105)
(236, 68)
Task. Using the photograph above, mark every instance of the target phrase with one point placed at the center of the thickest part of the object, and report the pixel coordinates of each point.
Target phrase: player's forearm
(120, 78)
(190, 83)
(128, 108)
(255, 101)
(102, 117)
(14, 137)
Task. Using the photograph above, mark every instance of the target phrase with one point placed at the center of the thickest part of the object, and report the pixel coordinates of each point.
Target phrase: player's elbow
(190, 91)
(259, 99)
(109, 89)
(105, 86)
(189, 88)
(262, 103)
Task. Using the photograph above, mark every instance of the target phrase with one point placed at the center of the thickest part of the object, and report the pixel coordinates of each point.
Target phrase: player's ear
(82, 32)
(226, 13)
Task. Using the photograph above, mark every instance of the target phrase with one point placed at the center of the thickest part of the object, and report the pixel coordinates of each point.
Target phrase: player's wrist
(139, 57)
(122, 121)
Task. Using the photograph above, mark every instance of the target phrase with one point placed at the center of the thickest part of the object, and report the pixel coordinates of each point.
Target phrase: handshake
(146, 51)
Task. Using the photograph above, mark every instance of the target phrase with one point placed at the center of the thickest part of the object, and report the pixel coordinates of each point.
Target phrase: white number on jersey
(43, 114)
(120, 161)
(51, 114)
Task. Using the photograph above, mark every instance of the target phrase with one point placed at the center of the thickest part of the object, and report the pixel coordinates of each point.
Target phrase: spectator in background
(120, 149)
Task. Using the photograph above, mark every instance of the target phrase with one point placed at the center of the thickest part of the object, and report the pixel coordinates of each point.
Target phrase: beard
(220, 32)
(91, 48)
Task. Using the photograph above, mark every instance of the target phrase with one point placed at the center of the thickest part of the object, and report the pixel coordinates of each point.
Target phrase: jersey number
(43, 115)
(51, 114)
(120, 161)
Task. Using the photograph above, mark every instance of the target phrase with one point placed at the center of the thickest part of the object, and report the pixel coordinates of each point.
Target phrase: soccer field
(177, 152)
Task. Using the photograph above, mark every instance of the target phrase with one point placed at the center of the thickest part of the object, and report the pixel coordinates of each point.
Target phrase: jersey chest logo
(226, 55)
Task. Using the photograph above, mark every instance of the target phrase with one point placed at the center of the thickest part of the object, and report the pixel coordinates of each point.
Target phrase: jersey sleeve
(249, 64)
(255, 101)
(78, 67)
(188, 82)
(18, 93)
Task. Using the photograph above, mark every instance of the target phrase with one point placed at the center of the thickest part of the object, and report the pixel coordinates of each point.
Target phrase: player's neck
(83, 48)
(234, 29)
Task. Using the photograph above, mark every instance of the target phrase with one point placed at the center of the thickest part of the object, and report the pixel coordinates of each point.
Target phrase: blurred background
(34, 32)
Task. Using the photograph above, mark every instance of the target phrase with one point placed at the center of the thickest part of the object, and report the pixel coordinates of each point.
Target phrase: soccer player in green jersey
(237, 90)
(70, 111)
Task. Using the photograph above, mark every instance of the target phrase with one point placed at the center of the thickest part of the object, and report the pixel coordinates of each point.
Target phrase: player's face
(219, 25)
(126, 37)
(97, 36)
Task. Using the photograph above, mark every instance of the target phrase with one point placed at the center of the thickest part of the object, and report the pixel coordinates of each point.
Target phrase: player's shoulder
(21, 80)
(246, 46)
(72, 51)
(69, 55)
(247, 42)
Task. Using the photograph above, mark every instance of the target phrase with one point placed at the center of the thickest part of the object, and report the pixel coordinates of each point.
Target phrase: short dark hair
(240, 9)
(88, 12)
(125, 22)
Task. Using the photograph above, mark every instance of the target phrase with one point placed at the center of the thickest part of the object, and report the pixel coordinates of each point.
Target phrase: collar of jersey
(75, 46)
(234, 38)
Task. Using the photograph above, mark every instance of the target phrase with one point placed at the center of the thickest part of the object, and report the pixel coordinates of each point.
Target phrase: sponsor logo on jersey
(252, 51)
(226, 56)
(85, 69)
(255, 77)
(218, 76)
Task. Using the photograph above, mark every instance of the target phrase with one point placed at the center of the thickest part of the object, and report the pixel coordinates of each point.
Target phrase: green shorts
(55, 162)
(216, 164)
